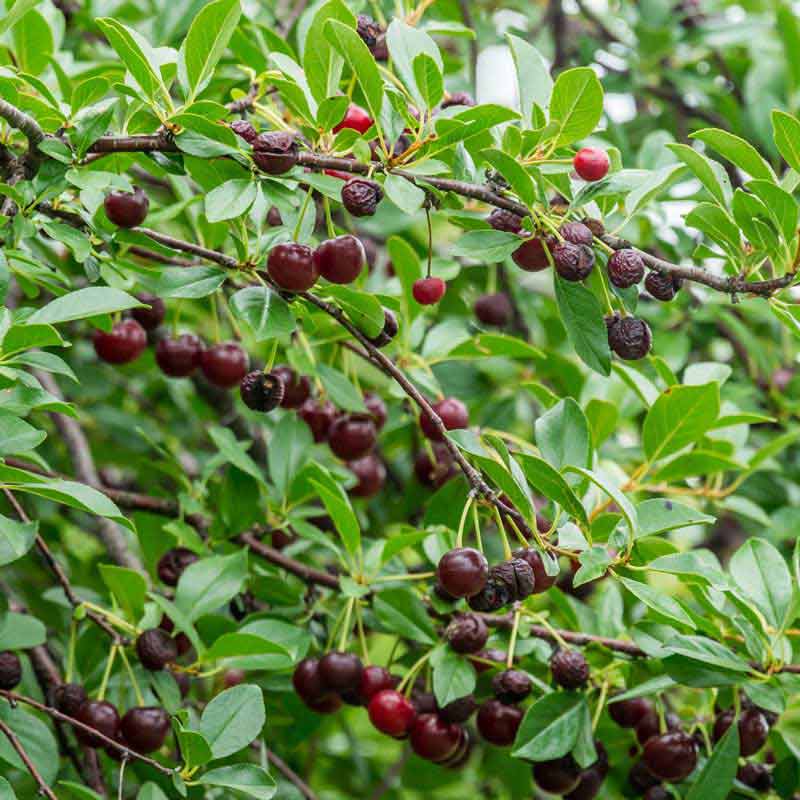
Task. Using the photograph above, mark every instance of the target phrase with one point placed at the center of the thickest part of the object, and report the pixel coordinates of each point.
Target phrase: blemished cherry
(296, 388)
(155, 649)
(224, 364)
(377, 409)
(452, 412)
(152, 315)
(577, 233)
(375, 679)
(671, 756)
(275, 152)
(69, 697)
(352, 436)
(10, 670)
(541, 580)
(307, 680)
(125, 342)
(498, 723)
(569, 668)
(557, 776)
(459, 710)
(493, 309)
(145, 729)
(433, 738)
(625, 268)
(319, 416)
(292, 266)
(467, 633)
(463, 571)
(126, 209)
(179, 357)
(391, 713)
(503, 220)
(340, 671)
(371, 474)
(356, 118)
(628, 713)
(511, 686)
(261, 391)
(434, 473)
(172, 564)
(428, 291)
(591, 163)
(100, 715)
(340, 260)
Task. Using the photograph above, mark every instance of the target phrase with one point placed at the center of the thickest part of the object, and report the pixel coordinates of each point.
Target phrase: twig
(290, 775)
(302, 571)
(22, 122)
(44, 789)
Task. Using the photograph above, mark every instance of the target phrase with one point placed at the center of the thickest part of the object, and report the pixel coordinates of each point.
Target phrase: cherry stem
(477, 525)
(345, 635)
(136, 690)
(300, 219)
(513, 641)
(502, 531)
(101, 694)
(462, 521)
(215, 317)
(601, 701)
(361, 636)
(73, 635)
(430, 240)
(408, 681)
(326, 204)
(122, 766)
(542, 620)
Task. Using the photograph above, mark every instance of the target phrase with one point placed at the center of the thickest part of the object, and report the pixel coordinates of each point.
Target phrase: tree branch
(22, 122)
(290, 775)
(44, 789)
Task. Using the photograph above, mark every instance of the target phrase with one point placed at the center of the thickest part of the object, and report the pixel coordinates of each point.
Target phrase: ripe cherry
(375, 679)
(671, 756)
(340, 260)
(649, 725)
(531, 255)
(179, 357)
(569, 668)
(307, 680)
(467, 633)
(356, 118)
(591, 163)
(463, 571)
(589, 784)
(434, 473)
(391, 713)
(433, 738)
(10, 670)
(69, 697)
(753, 730)
(319, 416)
(145, 729)
(155, 649)
(296, 388)
(376, 408)
(498, 723)
(224, 364)
(126, 209)
(328, 704)
(352, 436)
(459, 710)
(389, 330)
(541, 580)
(371, 474)
(756, 776)
(292, 266)
(629, 713)
(152, 315)
(428, 291)
(511, 686)
(172, 564)
(125, 343)
(340, 671)
(100, 715)
(452, 412)
(557, 776)
(494, 309)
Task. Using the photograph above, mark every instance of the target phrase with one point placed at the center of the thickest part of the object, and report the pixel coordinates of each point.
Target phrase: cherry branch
(22, 122)
(44, 789)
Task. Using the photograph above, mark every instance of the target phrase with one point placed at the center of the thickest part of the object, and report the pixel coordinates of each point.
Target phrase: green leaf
(230, 200)
(550, 727)
(210, 583)
(231, 645)
(708, 172)
(360, 61)
(288, 451)
(662, 604)
(341, 512)
(562, 435)
(661, 515)
(244, 779)
(405, 44)
(206, 42)
(195, 750)
(680, 416)
(716, 778)
(341, 392)
(235, 452)
(17, 11)
(84, 303)
(737, 151)
(189, 282)
(707, 651)
(602, 481)
(453, 675)
(128, 587)
(16, 538)
(786, 131)
(36, 739)
(429, 81)
(551, 484)
(510, 168)
(576, 105)
(761, 573)
(582, 316)
(487, 245)
(21, 631)
(233, 719)
(17, 436)
(266, 313)
(321, 63)
(698, 462)
(404, 194)
(533, 77)
(401, 612)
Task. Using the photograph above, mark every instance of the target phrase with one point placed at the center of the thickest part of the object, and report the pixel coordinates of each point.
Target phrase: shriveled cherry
(10, 670)
(569, 668)
(467, 633)
(261, 391)
(172, 564)
(296, 388)
(541, 580)
(155, 649)
(435, 472)
(377, 409)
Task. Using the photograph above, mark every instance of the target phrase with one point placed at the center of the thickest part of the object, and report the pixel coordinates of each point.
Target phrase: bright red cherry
(224, 364)
(375, 679)
(428, 291)
(340, 260)
(392, 713)
(356, 118)
(452, 412)
(591, 163)
(179, 357)
(123, 344)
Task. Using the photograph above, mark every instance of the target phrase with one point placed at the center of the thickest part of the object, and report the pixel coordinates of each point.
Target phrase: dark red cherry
(261, 391)
(541, 580)
(577, 233)
(589, 784)
(145, 729)
(172, 564)
(307, 680)
(671, 756)
(100, 715)
(69, 697)
(459, 710)
(319, 416)
(352, 436)
(649, 725)
(356, 118)
(371, 474)
(753, 730)
(452, 412)
(629, 713)
(511, 686)
(10, 670)
(244, 129)
(494, 309)
(296, 388)
(467, 633)
(224, 364)
(428, 291)
(569, 668)
(179, 357)
(591, 163)
(375, 679)
(376, 408)
(434, 473)
(463, 571)
(756, 776)
(531, 254)
(558, 776)
(126, 209)
(292, 266)
(125, 343)
(340, 260)
(498, 723)
(328, 704)
(433, 738)
(340, 671)
(391, 713)
(155, 649)
(153, 314)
